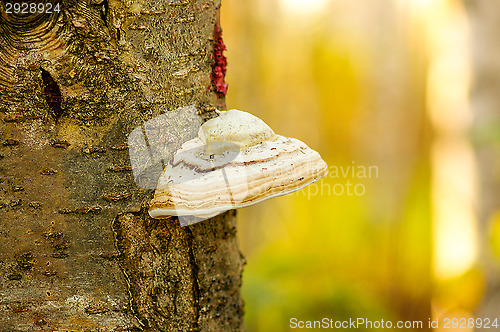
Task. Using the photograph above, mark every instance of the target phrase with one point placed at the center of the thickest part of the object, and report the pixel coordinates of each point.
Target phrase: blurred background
(402, 100)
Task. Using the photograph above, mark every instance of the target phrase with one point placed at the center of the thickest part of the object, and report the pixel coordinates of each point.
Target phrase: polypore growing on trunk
(235, 161)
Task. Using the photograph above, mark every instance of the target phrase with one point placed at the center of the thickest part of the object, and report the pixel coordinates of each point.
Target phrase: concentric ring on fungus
(235, 161)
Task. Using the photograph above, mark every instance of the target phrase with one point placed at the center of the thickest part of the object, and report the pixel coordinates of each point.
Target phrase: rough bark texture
(77, 248)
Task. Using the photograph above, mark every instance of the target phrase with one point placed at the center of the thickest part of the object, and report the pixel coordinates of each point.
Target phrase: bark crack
(104, 12)
(115, 225)
(52, 94)
(196, 286)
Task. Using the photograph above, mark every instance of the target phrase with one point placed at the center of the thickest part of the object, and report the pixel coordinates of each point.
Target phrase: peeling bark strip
(60, 144)
(174, 280)
(156, 263)
(93, 150)
(117, 169)
(82, 210)
(116, 197)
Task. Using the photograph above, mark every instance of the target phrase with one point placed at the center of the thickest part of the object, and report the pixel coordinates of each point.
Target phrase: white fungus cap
(235, 161)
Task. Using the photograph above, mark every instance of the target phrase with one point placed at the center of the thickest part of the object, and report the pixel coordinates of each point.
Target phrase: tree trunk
(78, 250)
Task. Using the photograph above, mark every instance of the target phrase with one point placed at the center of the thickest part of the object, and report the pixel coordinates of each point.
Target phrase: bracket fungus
(235, 161)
